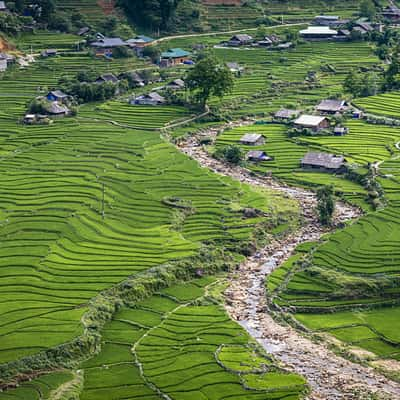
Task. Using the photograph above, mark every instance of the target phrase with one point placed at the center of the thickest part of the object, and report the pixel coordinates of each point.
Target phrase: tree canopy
(209, 77)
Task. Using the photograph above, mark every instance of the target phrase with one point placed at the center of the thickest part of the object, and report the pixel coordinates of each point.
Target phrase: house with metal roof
(318, 33)
(109, 77)
(57, 110)
(149, 99)
(175, 56)
(258, 156)
(107, 42)
(392, 13)
(140, 41)
(330, 106)
(176, 84)
(57, 95)
(240, 40)
(313, 122)
(323, 162)
(3, 6)
(252, 139)
(325, 20)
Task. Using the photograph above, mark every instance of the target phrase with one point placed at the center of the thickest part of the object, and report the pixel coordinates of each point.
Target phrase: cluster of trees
(362, 84)
(232, 154)
(153, 14)
(85, 88)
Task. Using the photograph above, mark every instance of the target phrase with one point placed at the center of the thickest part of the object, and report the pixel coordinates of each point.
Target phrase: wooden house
(313, 122)
(252, 139)
(323, 162)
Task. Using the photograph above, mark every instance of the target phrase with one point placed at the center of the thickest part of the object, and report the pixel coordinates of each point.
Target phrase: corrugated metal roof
(309, 120)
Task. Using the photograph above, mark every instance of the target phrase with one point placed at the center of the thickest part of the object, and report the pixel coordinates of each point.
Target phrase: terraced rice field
(386, 104)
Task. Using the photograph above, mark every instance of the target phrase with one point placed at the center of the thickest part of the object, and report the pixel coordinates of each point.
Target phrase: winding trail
(330, 376)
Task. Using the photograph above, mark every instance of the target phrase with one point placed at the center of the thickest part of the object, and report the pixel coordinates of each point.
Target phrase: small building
(57, 95)
(284, 46)
(266, 42)
(140, 41)
(240, 40)
(150, 99)
(331, 106)
(175, 56)
(325, 20)
(133, 77)
(313, 122)
(318, 33)
(258, 156)
(83, 31)
(358, 114)
(3, 65)
(340, 131)
(29, 119)
(57, 110)
(3, 6)
(109, 77)
(176, 84)
(286, 114)
(49, 53)
(235, 68)
(253, 139)
(108, 43)
(323, 162)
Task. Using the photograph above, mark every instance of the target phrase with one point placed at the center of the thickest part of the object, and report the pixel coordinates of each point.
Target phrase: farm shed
(252, 139)
(258, 156)
(49, 53)
(176, 84)
(340, 131)
(318, 33)
(286, 114)
(323, 161)
(313, 122)
(150, 99)
(240, 40)
(325, 20)
(331, 106)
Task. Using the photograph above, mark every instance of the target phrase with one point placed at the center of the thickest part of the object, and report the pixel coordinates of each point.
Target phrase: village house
(57, 95)
(331, 106)
(343, 35)
(3, 7)
(176, 84)
(258, 156)
(174, 57)
(240, 40)
(313, 122)
(323, 162)
(286, 114)
(363, 27)
(109, 77)
(234, 3)
(150, 99)
(104, 46)
(49, 53)
(392, 13)
(252, 139)
(133, 77)
(283, 46)
(318, 33)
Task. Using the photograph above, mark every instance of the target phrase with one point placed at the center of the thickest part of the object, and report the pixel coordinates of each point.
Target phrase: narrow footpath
(330, 376)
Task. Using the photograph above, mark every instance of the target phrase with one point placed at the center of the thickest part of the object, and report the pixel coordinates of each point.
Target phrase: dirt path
(189, 35)
(330, 376)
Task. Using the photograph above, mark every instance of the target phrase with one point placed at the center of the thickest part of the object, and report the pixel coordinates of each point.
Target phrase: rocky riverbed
(330, 376)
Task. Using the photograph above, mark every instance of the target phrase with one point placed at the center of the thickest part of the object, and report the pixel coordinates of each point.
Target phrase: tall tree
(368, 9)
(209, 77)
(326, 204)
